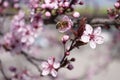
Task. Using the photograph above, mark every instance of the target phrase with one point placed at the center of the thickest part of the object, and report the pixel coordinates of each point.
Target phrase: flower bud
(43, 6)
(67, 53)
(12, 69)
(72, 59)
(76, 14)
(81, 3)
(65, 38)
(16, 5)
(111, 13)
(66, 4)
(117, 5)
(5, 4)
(47, 14)
(70, 66)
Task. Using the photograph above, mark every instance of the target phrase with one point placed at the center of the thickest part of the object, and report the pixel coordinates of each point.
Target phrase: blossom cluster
(22, 34)
(50, 8)
(114, 13)
(4, 4)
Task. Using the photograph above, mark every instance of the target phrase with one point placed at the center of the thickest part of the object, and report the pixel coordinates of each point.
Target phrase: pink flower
(66, 4)
(34, 3)
(47, 14)
(64, 25)
(50, 66)
(65, 38)
(27, 35)
(111, 13)
(12, 44)
(16, 5)
(92, 36)
(117, 5)
(76, 14)
(5, 4)
(51, 4)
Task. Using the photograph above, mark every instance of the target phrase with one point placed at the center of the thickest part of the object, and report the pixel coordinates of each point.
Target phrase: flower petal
(47, 1)
(51, 60)
(56, 65)
(97, 31)
(65, 18)
(92, 44)
(31, 39)
(23, 39)
(44, 65)
(99, 39)
(88, 28)
(53, 72)
(85, 38)
(45, 71)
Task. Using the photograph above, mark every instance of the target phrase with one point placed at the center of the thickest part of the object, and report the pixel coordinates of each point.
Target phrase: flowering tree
(26, 27)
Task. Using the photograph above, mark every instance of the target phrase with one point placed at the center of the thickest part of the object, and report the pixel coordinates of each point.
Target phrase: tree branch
(31, 61)
(31, 57)
(102, 21)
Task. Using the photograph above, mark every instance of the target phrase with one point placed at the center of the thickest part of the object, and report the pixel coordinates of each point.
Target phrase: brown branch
(31, 61)
(31, 57)
(102, 21)
(64, 57)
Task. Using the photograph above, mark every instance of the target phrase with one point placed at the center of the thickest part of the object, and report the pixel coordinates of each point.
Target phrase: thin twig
(33, 58)
(31, 61)
(71, 47)
(64, 55)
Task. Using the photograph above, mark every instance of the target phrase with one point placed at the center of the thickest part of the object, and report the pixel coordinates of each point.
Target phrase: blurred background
(101, 63)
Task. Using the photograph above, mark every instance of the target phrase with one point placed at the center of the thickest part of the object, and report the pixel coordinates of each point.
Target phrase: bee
(62, 25)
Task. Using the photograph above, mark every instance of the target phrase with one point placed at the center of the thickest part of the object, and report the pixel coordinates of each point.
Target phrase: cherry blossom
(47, 14)
(111, 13)
(66, 4)
(12, 43)
(50, 67)
(16, 5)
(65, 24)
(34, 3)
(5, 4)
(22, 35)
(51, 4)
(65, 38)
(117, 5)
(92, 36)
(76, 14)
(21, 30)
(28, 35)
